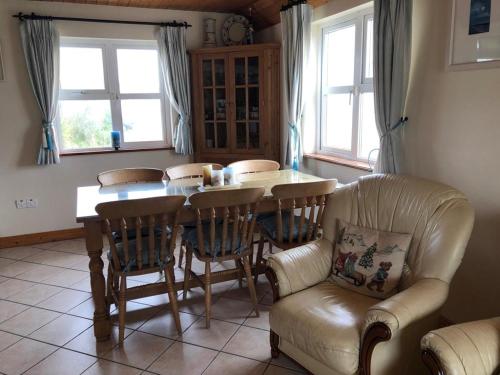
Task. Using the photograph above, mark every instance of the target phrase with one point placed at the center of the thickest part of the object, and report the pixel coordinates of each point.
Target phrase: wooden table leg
(93, 240)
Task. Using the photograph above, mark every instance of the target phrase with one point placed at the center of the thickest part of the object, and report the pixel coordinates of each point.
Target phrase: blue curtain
(40, 41)
(392, 55)
(296, 31)
(175, 67)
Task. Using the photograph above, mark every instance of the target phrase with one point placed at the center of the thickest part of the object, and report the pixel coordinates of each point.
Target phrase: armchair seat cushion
(324, 321)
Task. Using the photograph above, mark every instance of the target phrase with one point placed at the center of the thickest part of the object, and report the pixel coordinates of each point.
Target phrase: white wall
(20, 134)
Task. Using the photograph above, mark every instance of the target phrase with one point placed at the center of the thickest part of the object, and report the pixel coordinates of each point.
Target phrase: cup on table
(207, 174)
(218, 178)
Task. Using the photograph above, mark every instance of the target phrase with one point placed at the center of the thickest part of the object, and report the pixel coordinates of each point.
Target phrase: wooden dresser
(236, 103)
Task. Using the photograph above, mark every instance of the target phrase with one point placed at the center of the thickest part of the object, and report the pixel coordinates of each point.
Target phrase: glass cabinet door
(247, 103)
(214, 103)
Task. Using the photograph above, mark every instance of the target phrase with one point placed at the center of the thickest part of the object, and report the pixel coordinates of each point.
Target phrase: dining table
(89, 196)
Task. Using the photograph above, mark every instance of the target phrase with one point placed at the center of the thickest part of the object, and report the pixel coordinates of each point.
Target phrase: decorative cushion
(132, 254)
(369, 261)
(190, 235)
(268, 223)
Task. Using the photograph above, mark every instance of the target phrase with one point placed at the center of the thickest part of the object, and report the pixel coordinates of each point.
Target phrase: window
(111, 85)
(347, 114)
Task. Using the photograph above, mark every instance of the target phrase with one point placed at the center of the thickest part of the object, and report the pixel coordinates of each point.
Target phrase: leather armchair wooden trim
(432, 362)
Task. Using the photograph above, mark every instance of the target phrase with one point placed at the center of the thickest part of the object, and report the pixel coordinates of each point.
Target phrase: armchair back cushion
(438, 217)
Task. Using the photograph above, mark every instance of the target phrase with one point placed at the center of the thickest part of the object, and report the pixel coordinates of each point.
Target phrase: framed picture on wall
(475, 34)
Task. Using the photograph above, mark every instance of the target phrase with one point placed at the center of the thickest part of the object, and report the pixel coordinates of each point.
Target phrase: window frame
(111, 93)
(361, 84)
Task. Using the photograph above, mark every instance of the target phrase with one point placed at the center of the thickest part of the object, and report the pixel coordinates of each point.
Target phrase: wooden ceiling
(264, 12)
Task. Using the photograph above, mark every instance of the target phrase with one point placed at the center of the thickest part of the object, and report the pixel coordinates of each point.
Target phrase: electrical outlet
(20, 203)
(31, 203)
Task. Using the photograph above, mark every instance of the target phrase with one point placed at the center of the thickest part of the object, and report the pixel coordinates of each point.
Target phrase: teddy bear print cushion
(369, 261)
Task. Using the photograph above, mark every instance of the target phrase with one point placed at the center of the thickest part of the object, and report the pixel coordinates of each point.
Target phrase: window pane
(81, 68)
(369, 49)
(85, 123)
(339, 56)
(368, 134)
(142, 120)
(338, 126)
(138, 71)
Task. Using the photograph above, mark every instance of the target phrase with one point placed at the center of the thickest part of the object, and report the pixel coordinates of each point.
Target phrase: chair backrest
(253, 166)
(152, 214)
(438, 217)
(191, 170)
(130, 176)
(310, 198)
(237, 209)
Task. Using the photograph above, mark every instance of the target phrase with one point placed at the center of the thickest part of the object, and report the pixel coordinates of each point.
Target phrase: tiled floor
(46, 323)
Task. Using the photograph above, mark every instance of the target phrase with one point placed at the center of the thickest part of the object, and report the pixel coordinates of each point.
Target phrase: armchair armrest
(468, 348)
(423, 298)
(300, 268)
(385, 318)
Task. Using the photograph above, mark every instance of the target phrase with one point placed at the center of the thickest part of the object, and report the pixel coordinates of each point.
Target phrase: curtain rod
(34, 16)
(292, 3)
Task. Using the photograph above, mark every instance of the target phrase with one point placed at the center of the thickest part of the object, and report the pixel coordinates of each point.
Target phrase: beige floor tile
(9, 309)
(275, 370)
(28, 321)
(85, 309)
(231, 310)
(5, 262)
(7, 339)
(267, 299)
(22, 355)
(65, 300)
(183, 359)
(2, 279)
(103, 367)
(243, 293)
(70, 246)
(39, 273)
(251, 343)
(139, 350)
(137, 314)
(262, 321)
(61, 330)
(36, 294)
(229, 364)
(83, 285)
(19, 252)
(66, 277)
(194, 302)
(214, 338)
(63, 362)
(16, 268)
(284, 361)
(57, 258)
(86, 342)
(158, 300)
(163, 324)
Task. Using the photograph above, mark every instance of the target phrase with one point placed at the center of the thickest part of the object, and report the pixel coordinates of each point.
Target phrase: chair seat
(331, 322)
(132, 264)
(268, 224)
(190, 236)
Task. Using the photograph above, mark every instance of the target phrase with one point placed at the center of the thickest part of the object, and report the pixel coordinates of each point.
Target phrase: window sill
(341, 161)
(111, 151)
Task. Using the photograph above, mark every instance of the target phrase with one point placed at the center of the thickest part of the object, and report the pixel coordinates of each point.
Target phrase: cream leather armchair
(464, 349)
(331, 330)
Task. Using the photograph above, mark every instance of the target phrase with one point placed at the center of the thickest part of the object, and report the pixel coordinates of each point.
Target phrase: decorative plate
(234, 30)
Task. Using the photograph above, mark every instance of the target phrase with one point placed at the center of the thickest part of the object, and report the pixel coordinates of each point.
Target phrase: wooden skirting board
(36, 238)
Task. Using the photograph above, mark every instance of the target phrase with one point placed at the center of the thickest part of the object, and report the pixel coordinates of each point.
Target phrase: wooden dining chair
(143, 254)
(224, 231)
(253, 166)
(191, 170)
(185, 171)
(129, 176)
(287, 230)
